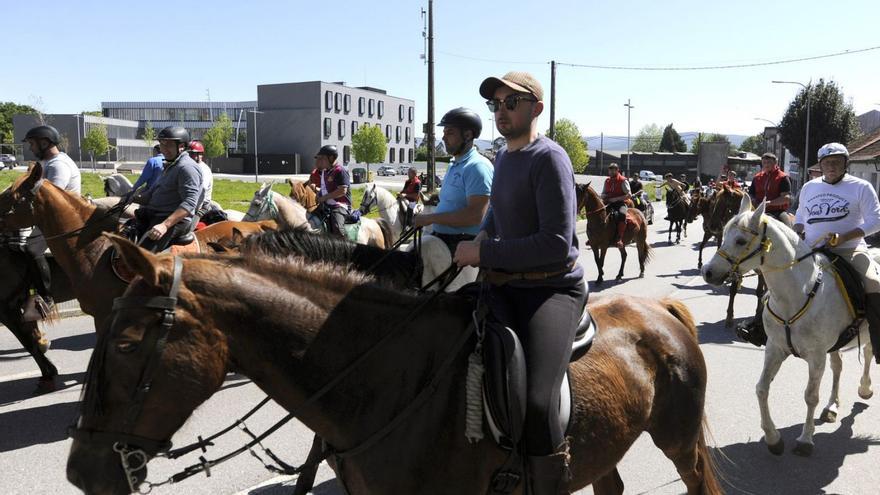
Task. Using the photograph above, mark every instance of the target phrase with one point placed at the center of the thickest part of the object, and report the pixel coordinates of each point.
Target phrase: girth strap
(787, 323)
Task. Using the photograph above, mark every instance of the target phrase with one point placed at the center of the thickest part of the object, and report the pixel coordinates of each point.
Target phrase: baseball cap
(522, 82)
(769, 155)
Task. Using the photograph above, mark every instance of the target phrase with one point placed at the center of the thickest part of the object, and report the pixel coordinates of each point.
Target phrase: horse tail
(644, 247)
(681, 313)
(386, 232)
(706, 464)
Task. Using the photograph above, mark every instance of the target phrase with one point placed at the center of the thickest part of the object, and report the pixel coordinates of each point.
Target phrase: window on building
(412, 112)
(381, 109)
(401, 155)
(410, 155)
(346, 154)
(328, 127)
(397, 134)
(338, 102)
(361, 105)
(371, 107)
(328, 100)
(387, 133)
(347, 103)
(400, 113)
(354, 127)
(341, 128)
(391, 155)
(408, 134)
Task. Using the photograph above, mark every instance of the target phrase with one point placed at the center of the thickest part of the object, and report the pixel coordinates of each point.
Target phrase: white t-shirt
(825, 208)
(207, 181)
(63, 172)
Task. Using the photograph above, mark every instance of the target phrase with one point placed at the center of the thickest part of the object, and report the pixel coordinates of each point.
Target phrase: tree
(671, 140)
(149, 134)
(216, 139)
(95, 142)
(422, 153)
(7, 110)
(648, 139)
(369, 145)
(569, 138)
(754, 144)
(713, 138)
(831, 120)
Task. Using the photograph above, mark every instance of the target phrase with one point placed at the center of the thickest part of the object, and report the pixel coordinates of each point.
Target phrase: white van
(647, 175)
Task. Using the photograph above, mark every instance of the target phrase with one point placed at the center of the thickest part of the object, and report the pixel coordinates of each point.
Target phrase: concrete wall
(713, 157)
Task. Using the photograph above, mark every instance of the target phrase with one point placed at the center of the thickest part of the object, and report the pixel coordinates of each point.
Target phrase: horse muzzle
(96, 470)
(714, 274)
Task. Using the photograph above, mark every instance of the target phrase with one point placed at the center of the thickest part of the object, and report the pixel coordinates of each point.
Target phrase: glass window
(381, 109)
(391, 155)
(346, 154)
(410, 155)
(400, 113)
(412, 112)
(401, 155)
(387, 133)
(328, 127)
(338, 102)
(408, 134)
(361, 105)
(341, 128)
(397, 134)
(347, 103)
(354, 127)
(328, 100)
(371, 107)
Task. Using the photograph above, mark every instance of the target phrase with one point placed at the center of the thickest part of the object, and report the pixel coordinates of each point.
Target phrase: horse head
(136, 375)
(370, 199)
(261, 204)
(743, 247)
(17, 201)
(724, 206)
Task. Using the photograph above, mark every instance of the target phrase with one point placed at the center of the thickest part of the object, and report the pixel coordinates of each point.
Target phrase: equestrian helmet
(832, 149)
(43, 132)
(464, 119)
(328, 150)
(196, 147)
(175, 133)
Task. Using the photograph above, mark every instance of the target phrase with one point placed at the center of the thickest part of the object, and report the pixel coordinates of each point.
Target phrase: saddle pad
(850, 283)
(352, 230)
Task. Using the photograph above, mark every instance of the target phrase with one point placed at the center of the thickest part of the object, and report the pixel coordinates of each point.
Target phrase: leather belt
(501, 278)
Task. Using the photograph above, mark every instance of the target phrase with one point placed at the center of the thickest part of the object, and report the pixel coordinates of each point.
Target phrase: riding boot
(549, 474)
(872, 312)
(39, 305)
(621, 230)
(753, 331)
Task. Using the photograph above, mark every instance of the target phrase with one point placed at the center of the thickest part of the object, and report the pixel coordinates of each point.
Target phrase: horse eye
(126, 347)
(740, 242)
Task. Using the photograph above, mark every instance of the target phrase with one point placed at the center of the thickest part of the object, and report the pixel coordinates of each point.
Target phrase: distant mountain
(618, 143)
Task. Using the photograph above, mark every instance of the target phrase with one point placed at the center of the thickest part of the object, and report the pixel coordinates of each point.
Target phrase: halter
(268, 203)
(135, 451)
(762, 248)
(27, 198)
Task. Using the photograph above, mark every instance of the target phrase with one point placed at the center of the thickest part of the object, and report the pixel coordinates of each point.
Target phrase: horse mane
(399, 269)
(300, 192)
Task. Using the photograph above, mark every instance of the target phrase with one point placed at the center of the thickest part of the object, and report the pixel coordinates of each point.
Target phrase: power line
(478, 59)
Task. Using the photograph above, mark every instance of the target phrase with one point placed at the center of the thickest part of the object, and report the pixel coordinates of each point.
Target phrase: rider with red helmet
(197, 152)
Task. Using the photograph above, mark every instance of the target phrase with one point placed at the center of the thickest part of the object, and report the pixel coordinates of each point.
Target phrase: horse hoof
(43, 345)
(828, 416)
(641, 274)
(699, 265)
(46, 385)
(618, 277)
(803, 449)
(867, 394)
(777, 448)
(728, 323)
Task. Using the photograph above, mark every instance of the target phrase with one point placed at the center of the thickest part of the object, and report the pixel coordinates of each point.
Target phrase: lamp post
(629, 108)
(768, 121)
(806, 163)
(256, 148)
(79, 143)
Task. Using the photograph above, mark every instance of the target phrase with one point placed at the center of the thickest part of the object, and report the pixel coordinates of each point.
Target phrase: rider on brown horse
(333, 190)
(614, 193)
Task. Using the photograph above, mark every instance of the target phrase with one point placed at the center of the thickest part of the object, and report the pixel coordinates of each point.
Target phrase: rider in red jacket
(615, 192)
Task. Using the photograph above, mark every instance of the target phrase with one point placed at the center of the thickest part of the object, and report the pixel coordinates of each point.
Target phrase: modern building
(196, 116)
(299, 118)
(126, 144)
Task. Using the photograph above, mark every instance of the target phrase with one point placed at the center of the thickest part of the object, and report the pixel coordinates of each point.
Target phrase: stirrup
(36, 308)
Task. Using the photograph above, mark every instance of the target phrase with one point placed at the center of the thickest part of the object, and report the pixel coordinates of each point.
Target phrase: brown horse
(601, 230)
(381, 348)
(303, 194)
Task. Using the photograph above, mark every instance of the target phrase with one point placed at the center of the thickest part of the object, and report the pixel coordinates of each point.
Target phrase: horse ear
(746, 204)
(217, 247)
(757, 215)
(35, 173)
(237, 236)
(138, 260)
(588, 184)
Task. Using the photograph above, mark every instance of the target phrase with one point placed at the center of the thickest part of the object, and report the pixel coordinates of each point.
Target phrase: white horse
(436, 257)
(117, 185)
(796, 323)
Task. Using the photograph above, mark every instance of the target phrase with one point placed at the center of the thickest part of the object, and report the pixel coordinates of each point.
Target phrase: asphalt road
(33, 447)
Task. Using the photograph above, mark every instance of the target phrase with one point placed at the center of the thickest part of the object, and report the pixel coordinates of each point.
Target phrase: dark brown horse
(602, 230)
(318, 323)
(676, 212)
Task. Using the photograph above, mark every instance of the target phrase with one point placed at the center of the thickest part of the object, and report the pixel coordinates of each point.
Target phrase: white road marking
(19, 376)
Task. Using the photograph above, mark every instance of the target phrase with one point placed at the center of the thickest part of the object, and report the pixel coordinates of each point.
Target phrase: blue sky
(143, 51)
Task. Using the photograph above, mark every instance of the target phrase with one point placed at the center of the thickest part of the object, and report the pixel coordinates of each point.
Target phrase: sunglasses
(509, 103)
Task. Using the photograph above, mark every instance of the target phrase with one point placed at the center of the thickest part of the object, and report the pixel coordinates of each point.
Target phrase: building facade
(125, 136)
(299, 118)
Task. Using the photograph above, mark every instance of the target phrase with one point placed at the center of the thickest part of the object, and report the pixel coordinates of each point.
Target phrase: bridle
(27, 198)
(763, 247)
(134, 450)
(262, 204)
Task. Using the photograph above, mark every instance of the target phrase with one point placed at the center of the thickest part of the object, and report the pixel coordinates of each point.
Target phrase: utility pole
(552, 100)
(210, 110)
(601, 152)
(629, 108)
(256, 148)
(429, 131)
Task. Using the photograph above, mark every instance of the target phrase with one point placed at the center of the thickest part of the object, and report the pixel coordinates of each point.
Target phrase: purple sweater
(532, 215)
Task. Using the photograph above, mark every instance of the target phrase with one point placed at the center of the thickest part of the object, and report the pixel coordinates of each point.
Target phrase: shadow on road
(37, 425)
(750, 468)
(329, 487)
(689, 272)
(23, 388)
(717, 333)
(81, 342)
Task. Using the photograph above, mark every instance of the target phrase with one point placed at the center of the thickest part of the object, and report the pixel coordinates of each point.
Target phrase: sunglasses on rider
(509, 103)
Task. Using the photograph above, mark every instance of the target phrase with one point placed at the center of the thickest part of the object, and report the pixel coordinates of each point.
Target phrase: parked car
(403, 169)
(648, 175)
(386, 170)
(8, 161)
(645, 206)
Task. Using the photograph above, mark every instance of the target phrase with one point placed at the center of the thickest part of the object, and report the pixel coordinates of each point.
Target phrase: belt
(501, 278)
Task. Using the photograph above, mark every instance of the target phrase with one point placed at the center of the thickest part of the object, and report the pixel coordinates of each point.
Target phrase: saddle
(184, 243)
(849, 282)
(352, 222)
(504, 380)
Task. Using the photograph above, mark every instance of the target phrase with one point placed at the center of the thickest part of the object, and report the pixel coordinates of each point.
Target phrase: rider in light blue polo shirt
(464, 197)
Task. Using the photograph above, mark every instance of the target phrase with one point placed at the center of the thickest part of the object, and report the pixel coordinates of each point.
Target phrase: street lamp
(806, 164)
(79, 145)
(629, 108)
(256, 149)
(768, 121)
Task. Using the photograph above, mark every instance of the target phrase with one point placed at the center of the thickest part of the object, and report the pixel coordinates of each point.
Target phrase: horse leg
(28, 335)
(706, 236)
(669, 232)
(865, 391)
(734, 288)
(829, 414)
(306, 480)
(599, 257)
(773, 358)
(609, 484)
(816, 367)
(622, 263)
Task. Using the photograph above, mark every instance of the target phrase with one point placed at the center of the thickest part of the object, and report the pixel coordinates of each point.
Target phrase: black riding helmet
(464, 119)
(176, 133)
(43, 132)
(328, 150)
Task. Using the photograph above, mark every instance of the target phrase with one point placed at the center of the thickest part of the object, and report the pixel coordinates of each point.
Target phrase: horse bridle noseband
(27, 198)
(135, 451)
(762, 248)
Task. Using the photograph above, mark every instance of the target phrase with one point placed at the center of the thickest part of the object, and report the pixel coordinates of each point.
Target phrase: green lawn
(231, 194)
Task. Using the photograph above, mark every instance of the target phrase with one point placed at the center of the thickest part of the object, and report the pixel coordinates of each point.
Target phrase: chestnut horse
(350, 356)
(601, 230)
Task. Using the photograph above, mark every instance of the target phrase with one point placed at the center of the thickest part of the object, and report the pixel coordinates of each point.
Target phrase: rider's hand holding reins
(467, 253)
(157, 231)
